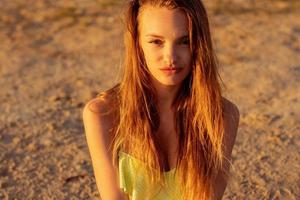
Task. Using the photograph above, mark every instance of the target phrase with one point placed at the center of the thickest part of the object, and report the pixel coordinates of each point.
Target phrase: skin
(97, 128)
(165, 43)
(163, 51)
(172, 48)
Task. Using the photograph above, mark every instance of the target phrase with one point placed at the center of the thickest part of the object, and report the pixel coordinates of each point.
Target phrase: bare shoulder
(230, 109)
(97, 115)
(98, 106)
(101, 108)
(231, 116)
(97, 121)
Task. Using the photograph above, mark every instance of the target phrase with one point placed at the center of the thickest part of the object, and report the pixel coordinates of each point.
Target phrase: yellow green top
(133, 183)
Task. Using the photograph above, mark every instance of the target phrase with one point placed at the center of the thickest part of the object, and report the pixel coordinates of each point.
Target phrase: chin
(170, 82)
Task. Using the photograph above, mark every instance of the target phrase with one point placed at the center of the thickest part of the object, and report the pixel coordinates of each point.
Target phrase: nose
(170, 56)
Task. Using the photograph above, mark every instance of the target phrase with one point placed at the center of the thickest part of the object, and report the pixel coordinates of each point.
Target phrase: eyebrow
(159, 36)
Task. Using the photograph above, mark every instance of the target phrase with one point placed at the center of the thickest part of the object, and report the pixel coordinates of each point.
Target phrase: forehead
(163, 21)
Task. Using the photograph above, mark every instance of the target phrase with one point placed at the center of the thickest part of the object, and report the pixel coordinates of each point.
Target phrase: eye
(158, 42)
(186, 42)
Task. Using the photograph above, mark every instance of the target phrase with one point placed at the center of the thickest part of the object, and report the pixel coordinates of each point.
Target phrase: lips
(170, 70)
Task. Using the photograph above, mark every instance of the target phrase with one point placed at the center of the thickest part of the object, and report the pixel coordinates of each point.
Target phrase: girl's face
(164, 39)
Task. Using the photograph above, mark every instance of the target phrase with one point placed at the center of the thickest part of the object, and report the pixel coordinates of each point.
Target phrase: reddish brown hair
(198, 105)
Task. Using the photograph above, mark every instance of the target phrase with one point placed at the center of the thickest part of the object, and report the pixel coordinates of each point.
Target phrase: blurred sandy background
(57, 55)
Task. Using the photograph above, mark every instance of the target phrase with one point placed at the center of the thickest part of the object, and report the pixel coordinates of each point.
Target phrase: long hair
(198, 110)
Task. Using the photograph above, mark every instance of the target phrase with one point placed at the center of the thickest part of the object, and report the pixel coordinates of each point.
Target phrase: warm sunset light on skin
(165, 43)
(168, 110)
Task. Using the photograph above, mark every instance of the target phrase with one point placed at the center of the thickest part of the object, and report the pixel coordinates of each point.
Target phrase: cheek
(186, 57)
(150, 56)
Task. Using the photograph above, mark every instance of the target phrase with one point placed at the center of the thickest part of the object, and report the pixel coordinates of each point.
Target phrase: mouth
(171, 70)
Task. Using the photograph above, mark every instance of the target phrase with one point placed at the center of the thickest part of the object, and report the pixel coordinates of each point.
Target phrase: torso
(167, 141)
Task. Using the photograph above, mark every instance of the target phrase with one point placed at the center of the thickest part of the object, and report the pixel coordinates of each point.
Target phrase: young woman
(165, 131)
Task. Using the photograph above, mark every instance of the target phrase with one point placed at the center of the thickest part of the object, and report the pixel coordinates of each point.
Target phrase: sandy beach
(54, 57)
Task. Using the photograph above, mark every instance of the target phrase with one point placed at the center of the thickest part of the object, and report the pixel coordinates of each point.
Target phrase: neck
(165, 95)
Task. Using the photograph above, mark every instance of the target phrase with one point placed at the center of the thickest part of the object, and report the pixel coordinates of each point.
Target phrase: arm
(96, 127)
(231, 122)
